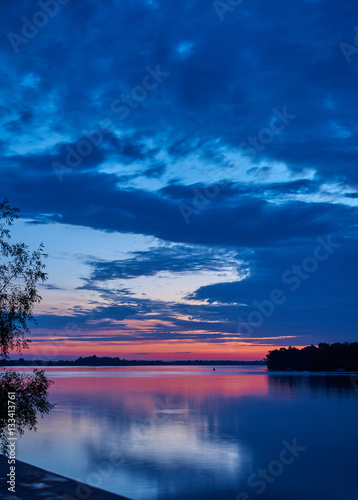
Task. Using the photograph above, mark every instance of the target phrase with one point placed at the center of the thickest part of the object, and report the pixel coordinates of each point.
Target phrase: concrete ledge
(33, 483)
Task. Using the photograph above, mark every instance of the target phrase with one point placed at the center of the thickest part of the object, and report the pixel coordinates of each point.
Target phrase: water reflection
(313, 384)
(188, 432)
(22, 397)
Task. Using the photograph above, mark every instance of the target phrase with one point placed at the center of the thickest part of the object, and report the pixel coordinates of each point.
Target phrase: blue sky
(178, 159)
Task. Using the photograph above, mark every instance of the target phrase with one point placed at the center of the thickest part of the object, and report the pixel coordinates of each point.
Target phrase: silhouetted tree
(20, 272)
(31, 396)
(322, 358)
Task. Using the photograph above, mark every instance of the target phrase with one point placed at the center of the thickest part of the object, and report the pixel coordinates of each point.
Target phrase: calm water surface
(190, 433)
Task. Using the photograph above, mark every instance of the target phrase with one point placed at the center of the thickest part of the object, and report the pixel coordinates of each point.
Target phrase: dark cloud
(156, 170)
(321, 301)
(234, 220)
(174, 259)
(225, 82)
(50, 286)
(224, 86)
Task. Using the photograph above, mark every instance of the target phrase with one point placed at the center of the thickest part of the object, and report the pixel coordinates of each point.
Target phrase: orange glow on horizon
(149, 350)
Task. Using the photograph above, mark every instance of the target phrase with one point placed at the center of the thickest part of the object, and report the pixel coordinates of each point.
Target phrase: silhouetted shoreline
(325, 357)
(109, 361)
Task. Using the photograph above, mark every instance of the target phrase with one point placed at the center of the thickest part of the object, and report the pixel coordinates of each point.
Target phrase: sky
(191, 168)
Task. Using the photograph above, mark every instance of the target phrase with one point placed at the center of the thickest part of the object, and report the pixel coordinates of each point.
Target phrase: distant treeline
(107, 361)
(325, 357)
